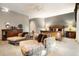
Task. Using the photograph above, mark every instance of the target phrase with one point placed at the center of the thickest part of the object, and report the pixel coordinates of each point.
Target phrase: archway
(32, 26)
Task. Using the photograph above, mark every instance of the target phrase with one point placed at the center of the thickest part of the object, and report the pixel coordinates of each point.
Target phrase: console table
(10, 33)
(71, 34)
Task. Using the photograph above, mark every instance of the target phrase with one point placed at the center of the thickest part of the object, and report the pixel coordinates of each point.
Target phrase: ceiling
(40, 10)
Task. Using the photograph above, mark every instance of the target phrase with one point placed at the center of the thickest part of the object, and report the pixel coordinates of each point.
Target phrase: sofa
(31, 48)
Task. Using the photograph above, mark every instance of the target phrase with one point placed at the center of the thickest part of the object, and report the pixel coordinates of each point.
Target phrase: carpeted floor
(9, 50)
(66, 47)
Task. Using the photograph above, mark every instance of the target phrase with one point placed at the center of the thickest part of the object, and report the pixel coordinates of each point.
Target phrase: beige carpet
(66, 47)
(9, 50)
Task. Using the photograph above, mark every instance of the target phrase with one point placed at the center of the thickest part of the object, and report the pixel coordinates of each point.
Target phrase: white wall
(14, 19)
(77, 33)
(63, 19)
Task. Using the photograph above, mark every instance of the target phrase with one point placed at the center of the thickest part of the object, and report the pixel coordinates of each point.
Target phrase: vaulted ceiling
(40, 10)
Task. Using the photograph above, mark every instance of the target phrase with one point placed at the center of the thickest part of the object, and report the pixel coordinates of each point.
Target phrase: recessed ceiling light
(4, 9)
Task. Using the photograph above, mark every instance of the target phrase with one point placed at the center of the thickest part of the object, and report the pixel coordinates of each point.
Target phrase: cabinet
(10, 33)
(71, 34)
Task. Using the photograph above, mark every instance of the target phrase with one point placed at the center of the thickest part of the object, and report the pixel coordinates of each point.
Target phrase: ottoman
(15, 40)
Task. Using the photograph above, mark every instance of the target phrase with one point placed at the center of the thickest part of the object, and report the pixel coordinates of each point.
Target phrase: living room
(38, 29)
